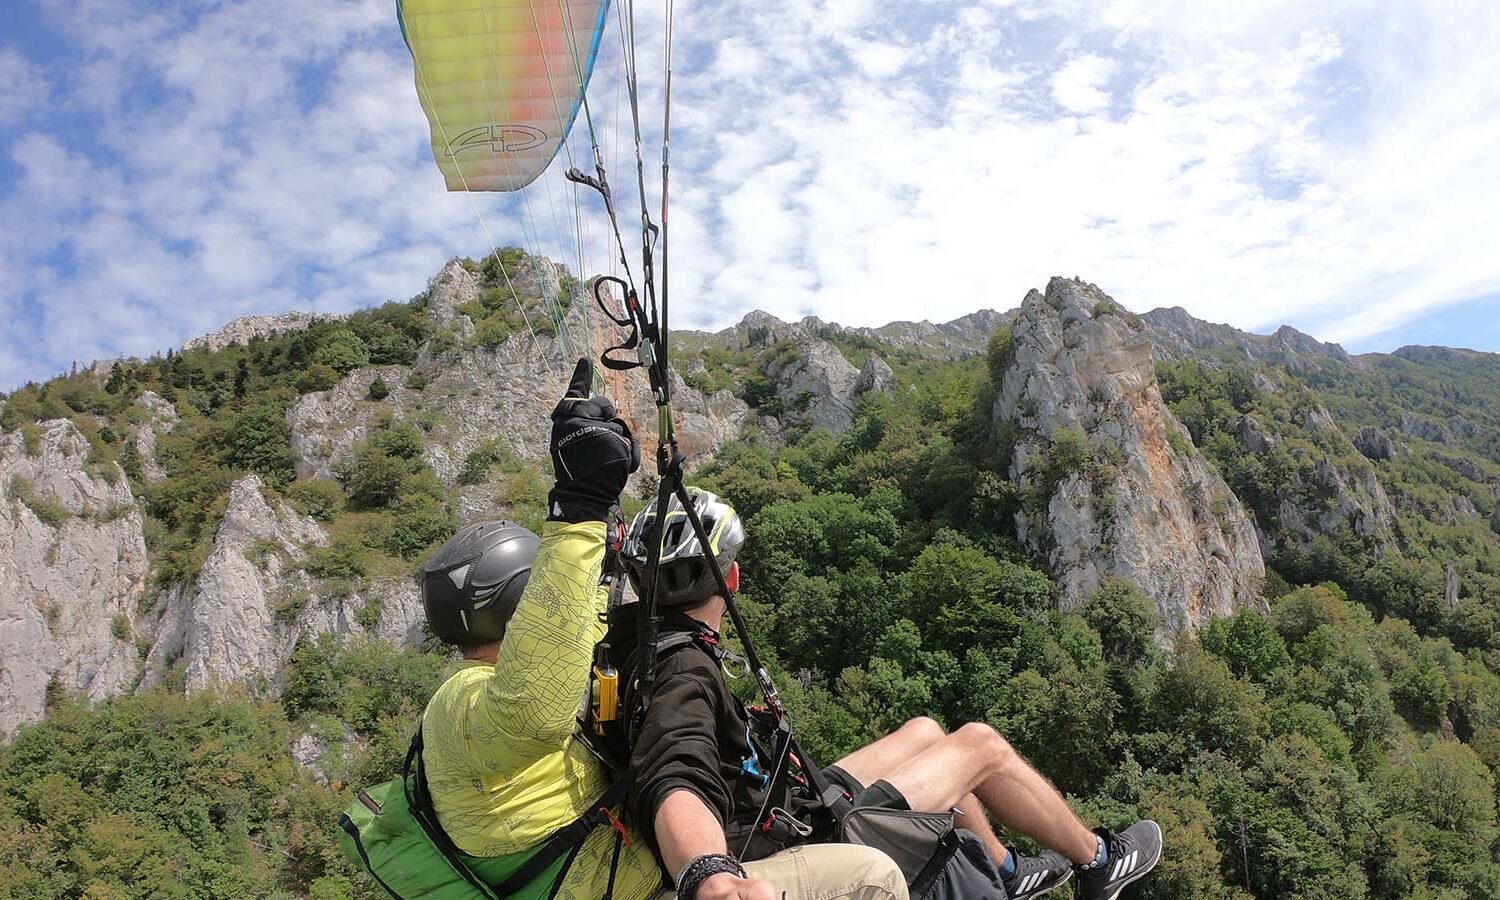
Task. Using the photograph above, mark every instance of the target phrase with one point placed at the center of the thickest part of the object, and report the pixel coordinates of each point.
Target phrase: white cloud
(26, 88)
(1079, 86)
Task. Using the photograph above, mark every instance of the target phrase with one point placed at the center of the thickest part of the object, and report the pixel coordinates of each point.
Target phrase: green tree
(342, 351)
(1125, 618)
(1249, 644)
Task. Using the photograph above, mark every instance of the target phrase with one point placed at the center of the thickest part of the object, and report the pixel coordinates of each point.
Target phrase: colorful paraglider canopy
(501, 82)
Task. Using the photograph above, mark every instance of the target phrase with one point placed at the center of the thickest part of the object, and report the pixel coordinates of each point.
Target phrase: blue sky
(165, 167)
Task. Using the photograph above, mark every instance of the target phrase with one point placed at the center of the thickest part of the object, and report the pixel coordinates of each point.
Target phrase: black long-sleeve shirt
(695, 737)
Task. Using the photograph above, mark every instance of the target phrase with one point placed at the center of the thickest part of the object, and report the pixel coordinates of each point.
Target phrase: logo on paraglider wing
(498, 139)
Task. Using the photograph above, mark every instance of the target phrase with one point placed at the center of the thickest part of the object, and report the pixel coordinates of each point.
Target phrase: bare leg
(875, 761)
(977, 759)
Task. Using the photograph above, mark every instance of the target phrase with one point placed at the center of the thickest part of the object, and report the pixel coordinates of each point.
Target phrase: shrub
(344, 557)
(47, 509)
(416, 381)
(368, 615)
(379, 390)
(31, 438)
(481, 459)
(343, 351)
(317, 377)
(372, 477)
(119, 626)
(401, 441)
(316, 497)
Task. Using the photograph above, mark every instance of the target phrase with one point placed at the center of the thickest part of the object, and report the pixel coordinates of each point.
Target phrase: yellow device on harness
(606, 689)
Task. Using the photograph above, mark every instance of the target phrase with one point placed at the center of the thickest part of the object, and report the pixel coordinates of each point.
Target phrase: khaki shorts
(827, 872)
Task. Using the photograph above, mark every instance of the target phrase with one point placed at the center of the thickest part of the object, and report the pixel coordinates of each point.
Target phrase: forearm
(686, 828)
(543, 663)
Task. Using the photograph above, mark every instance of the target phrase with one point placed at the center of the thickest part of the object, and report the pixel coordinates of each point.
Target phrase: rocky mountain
(248, 328)
(1112, 482)
(189, 520)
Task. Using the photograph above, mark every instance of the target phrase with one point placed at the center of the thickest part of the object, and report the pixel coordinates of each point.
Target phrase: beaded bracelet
(701, 868)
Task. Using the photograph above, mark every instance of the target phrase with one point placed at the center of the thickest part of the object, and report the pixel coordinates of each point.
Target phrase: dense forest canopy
(1341, 745)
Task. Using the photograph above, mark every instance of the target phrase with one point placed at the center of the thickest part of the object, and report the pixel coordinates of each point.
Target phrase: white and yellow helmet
(685, 577)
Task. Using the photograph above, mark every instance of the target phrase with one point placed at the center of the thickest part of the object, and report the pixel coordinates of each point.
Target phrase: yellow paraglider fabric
(501, 82)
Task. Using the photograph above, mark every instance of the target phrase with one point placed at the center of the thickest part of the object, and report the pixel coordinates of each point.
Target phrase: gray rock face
(453, 287)
(326, 425)
(1425, 429)
(230, 634)
(876, 375)
(1137, 507)
(1175, 334)
(1353, 496)
(245, 328)
(1374, 444)
(816, 386)
(241, 619)
(70, 576)
(161, 418)
(1254, 437)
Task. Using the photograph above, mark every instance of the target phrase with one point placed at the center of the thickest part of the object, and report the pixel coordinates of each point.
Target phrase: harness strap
(564, 842)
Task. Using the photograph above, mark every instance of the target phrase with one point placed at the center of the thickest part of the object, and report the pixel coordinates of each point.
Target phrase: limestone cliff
(1112, 482)
(240, 620)
(246, 328)
(72, 570)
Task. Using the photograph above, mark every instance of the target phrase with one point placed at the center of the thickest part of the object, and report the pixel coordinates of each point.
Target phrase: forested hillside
(1334, 734)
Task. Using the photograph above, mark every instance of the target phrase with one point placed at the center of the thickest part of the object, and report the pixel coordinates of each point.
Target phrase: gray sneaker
(1036, 875)
(1132, 853)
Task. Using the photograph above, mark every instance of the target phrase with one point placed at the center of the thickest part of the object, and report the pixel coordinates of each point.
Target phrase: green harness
(392, 831)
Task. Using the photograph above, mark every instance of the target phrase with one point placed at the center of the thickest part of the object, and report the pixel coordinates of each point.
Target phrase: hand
(593, 452)
(728, 886)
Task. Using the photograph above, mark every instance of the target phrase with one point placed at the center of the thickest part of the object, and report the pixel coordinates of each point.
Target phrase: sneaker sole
(1143, 871)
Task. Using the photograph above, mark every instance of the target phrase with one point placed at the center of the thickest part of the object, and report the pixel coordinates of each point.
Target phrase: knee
(989, 742)
(879, 877)
(923, 729)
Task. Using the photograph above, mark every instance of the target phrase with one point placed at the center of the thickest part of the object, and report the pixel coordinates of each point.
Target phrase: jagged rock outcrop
(875, 375)
(1175, 334)
(1350, 494)
(816, 385)
(1113, 483)
(161, 418)
(1375, 444)
(1254, 437)
(454, 286)
(241, 619)
(72, 569)
(1425, 429)
(225, 628)
(327, 425)
(474, 394)
(246, 328)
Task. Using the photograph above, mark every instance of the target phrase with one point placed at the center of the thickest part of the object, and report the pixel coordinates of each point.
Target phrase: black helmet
(471, 585)
(685, 577)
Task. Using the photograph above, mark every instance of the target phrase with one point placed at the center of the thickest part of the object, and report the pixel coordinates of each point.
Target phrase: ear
(732, 577)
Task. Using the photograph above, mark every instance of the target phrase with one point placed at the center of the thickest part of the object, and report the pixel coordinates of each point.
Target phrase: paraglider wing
(501, 82)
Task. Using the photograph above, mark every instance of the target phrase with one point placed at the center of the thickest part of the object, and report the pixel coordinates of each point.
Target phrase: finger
(582, 383)
(605, 406)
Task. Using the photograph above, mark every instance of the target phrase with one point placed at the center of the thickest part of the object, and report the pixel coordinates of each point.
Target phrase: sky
(166, 167)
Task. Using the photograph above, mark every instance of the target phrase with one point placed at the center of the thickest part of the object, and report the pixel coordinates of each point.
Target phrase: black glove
(593, 453)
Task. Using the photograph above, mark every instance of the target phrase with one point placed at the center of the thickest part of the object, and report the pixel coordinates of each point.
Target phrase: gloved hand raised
(593, 453)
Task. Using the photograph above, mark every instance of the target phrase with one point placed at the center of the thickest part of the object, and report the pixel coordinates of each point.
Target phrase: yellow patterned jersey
(503, 763)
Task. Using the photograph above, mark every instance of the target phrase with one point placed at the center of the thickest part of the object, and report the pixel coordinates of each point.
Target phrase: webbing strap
(563, 842)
